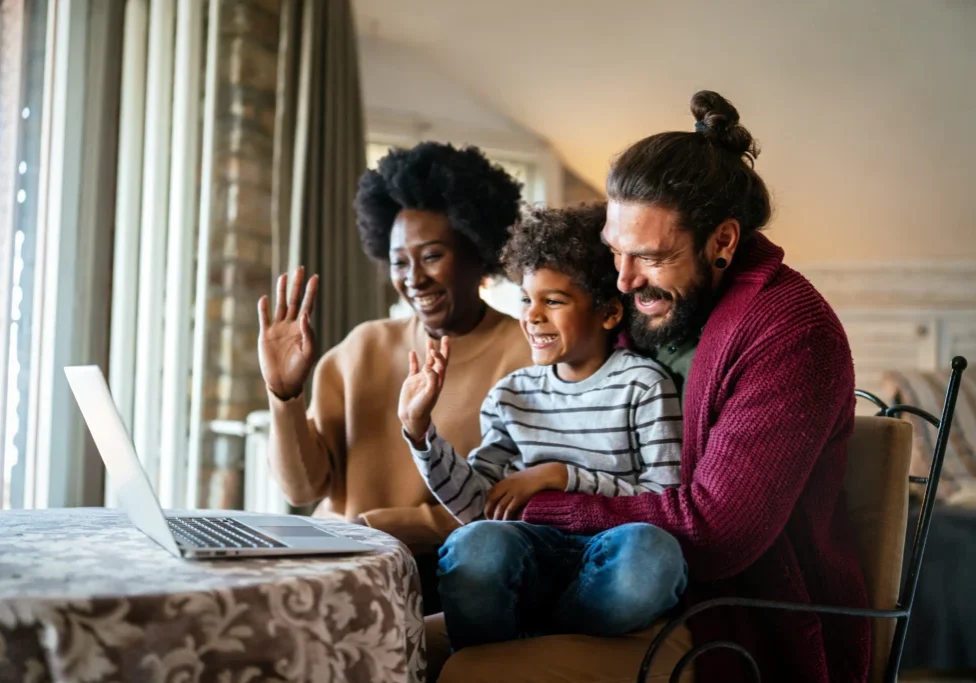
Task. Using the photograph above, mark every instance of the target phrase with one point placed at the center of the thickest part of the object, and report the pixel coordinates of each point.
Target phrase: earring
(720, 263)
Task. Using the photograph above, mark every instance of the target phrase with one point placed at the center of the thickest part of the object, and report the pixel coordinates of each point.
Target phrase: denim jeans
(506, 580)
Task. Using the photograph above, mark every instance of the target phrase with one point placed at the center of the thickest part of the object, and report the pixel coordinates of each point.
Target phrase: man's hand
(507, 498)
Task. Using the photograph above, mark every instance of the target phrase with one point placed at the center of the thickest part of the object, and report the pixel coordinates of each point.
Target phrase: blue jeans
(506, 580)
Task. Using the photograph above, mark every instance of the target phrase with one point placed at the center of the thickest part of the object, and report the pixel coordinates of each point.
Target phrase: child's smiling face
(562, 326)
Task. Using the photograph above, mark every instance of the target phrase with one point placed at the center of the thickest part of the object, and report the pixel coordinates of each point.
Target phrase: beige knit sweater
(348, 448)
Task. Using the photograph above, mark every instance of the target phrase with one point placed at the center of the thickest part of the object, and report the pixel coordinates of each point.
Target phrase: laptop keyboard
(218, 532)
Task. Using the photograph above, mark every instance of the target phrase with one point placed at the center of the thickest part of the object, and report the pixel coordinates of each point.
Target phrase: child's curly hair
(566, 240)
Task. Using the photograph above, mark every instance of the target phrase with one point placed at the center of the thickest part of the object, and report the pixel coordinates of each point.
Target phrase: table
(85, 596)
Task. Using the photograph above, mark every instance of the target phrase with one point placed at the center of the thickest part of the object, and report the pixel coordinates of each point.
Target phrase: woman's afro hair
(480, 199)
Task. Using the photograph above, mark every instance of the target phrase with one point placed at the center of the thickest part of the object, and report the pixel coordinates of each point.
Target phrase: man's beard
(684, 320)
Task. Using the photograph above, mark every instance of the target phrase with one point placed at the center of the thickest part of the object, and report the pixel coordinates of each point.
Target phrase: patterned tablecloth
(85, 596)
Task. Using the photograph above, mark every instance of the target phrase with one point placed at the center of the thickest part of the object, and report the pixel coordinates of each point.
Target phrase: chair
(876, 486)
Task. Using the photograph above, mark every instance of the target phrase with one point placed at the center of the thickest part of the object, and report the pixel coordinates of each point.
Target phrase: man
(769, 405)
(768, 410)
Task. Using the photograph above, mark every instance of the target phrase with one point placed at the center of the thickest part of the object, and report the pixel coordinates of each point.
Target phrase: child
(585, 418)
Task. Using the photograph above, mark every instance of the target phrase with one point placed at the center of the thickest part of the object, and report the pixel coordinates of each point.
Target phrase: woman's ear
(613, 313)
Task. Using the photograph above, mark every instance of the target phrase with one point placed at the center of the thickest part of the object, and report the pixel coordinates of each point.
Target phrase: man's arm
(790, 398)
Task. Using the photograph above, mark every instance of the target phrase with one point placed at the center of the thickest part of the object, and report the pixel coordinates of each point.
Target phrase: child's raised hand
(422, 388)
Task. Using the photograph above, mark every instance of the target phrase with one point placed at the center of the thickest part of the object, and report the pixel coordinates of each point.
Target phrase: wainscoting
(901, 316)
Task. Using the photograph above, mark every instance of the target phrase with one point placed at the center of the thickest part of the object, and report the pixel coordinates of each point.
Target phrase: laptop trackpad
(290, 531)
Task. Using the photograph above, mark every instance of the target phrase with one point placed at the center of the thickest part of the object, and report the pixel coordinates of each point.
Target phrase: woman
(437, 217)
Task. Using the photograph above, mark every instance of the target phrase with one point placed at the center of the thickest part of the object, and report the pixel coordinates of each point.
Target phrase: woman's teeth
(426, 301)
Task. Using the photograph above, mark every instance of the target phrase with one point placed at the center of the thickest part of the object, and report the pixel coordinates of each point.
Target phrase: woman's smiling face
(436, 272)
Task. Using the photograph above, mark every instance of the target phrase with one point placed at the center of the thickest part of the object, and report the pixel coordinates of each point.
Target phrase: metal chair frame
(906, 599)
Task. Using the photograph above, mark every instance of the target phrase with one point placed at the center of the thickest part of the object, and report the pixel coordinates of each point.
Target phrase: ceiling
(865, 108)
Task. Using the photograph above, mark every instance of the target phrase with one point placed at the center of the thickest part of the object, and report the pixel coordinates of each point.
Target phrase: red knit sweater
(760, 513)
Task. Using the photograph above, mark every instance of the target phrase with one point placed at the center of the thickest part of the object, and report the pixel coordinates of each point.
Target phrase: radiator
(261, 490)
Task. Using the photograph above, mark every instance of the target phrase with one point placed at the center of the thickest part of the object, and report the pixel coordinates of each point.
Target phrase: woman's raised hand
(286, 343)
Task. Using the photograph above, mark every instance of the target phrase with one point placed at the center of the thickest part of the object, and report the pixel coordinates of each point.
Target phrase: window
(22, 59)
(374, 152)
(56, 154)
(522, 171)
(500, 293)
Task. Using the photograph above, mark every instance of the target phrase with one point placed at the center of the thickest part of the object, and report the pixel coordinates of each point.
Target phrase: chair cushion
(565, 658)
(876, 486)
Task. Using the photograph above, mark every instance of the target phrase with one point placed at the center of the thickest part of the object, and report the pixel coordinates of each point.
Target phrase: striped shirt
(618, 432)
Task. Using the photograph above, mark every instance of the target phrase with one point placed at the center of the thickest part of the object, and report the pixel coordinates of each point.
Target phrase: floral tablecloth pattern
(87, 597)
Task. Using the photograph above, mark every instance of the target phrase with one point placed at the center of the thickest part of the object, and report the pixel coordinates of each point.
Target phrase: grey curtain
(320, 154)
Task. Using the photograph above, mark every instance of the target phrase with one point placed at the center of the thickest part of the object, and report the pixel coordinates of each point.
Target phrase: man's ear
(613, 313)
(724, 242)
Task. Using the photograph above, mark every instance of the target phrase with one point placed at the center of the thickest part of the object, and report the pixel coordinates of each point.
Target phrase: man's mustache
(648, 293)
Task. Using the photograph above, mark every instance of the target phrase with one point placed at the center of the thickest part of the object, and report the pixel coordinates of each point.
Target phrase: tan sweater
(348, 446)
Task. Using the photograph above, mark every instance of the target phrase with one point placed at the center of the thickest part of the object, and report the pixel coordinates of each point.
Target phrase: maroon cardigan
(769, 407)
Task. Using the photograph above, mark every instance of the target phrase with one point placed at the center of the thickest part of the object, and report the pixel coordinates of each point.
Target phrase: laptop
(188, 536)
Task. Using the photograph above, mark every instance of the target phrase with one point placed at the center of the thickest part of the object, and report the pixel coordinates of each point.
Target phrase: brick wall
(241, 240)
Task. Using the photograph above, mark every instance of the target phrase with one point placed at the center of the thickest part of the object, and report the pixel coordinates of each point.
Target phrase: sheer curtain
(58, 95)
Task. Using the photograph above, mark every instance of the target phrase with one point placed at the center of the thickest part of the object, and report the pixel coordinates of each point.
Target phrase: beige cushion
(876, 485)
(555, 659)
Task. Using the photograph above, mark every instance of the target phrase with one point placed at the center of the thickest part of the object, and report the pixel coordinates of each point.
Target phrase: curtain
(320, 155)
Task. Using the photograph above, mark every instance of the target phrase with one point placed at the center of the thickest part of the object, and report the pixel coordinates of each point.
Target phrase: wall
(397, 83)
(864, 109)
(405, 95)
(576, 190)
